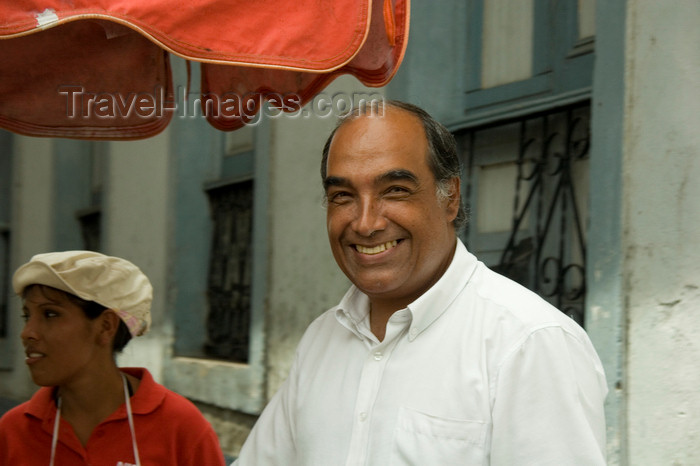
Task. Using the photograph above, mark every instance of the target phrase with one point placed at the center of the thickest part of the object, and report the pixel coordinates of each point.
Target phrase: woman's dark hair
(91, 309)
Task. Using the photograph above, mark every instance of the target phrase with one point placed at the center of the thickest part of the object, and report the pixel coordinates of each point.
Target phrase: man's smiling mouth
(376, 249)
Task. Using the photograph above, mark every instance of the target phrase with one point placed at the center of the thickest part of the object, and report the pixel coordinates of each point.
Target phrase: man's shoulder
(351, 306)
(509, 301)
(335, 326)
(324, 324)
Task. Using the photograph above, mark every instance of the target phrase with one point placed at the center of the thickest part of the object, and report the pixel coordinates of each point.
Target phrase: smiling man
(430, 358)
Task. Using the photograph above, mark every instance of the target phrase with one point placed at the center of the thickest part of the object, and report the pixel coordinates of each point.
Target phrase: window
(527, 188)
(218, 279)
(229, 285)
(76, 185)
(90, 220)
(524, 135)
(526, 56)
(90, 217)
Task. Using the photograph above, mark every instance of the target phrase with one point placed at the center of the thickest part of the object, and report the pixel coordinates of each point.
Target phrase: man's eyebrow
(335, 181)
(397, 175)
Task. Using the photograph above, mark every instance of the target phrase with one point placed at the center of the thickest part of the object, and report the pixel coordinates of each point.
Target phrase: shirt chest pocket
(424, 439)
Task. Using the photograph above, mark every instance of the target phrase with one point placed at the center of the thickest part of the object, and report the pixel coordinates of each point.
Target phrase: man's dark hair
(442, 148)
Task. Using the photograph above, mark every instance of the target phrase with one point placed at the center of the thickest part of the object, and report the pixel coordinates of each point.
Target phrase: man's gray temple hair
(442, 149)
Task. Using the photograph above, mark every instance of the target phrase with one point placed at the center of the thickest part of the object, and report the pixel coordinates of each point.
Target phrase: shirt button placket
(367, 393)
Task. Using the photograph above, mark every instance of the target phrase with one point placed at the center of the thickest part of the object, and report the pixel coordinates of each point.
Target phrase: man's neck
(379, 314)
(382, 308)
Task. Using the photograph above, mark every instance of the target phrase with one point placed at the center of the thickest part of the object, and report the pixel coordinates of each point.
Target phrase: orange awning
(99, 69)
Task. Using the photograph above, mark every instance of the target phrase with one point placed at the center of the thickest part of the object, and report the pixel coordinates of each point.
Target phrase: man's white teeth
(376, 249)
(35, 355)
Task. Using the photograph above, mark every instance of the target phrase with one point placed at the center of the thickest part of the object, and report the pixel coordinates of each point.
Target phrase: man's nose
(370, 217)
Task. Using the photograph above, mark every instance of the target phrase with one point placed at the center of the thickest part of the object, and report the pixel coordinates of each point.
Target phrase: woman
(80, 309)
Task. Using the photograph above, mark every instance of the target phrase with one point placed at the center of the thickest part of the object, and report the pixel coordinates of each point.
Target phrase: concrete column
(662, 220)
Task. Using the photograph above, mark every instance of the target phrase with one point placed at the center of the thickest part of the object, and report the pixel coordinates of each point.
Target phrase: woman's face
(60, 342)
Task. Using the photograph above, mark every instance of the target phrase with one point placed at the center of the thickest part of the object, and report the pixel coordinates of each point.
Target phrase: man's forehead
(397, 131)
(387, 115)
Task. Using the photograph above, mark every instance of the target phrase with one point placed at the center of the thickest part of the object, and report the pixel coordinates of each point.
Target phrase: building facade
(576, 121)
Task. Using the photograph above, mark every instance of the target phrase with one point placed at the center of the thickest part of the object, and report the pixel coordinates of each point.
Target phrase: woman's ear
(108, 325)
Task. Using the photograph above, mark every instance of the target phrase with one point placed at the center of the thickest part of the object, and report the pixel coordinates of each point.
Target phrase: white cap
(115, 283)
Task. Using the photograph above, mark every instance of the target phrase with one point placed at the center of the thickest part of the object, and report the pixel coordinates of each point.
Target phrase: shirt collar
(146, 399)
(148, 396)
(434, 302)
(353, 310)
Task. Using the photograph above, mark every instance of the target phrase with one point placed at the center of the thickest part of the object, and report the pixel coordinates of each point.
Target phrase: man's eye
(398, 191)
(49, 313)
(25, 317)
(339, 197)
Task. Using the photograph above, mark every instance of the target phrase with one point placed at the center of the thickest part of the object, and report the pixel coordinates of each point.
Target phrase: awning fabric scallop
(100, 69)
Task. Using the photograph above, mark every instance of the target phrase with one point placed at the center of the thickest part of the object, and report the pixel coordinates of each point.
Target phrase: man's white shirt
(477, 371)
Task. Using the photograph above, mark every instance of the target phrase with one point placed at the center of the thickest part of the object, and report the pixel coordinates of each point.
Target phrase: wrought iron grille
(230, 264)
(545, 249)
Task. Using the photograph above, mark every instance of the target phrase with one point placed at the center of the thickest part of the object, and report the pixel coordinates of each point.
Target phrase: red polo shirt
(170, 430)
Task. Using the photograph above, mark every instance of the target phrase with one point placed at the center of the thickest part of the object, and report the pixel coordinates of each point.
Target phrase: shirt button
(414, 332)
(378, 356)
(363, 416)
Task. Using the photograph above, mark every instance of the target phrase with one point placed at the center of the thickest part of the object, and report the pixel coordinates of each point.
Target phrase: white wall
(661, 208)
(32, 233)
(136, 207)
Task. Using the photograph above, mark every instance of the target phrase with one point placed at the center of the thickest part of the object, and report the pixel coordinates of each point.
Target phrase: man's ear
(108, 325)
(453, 198)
